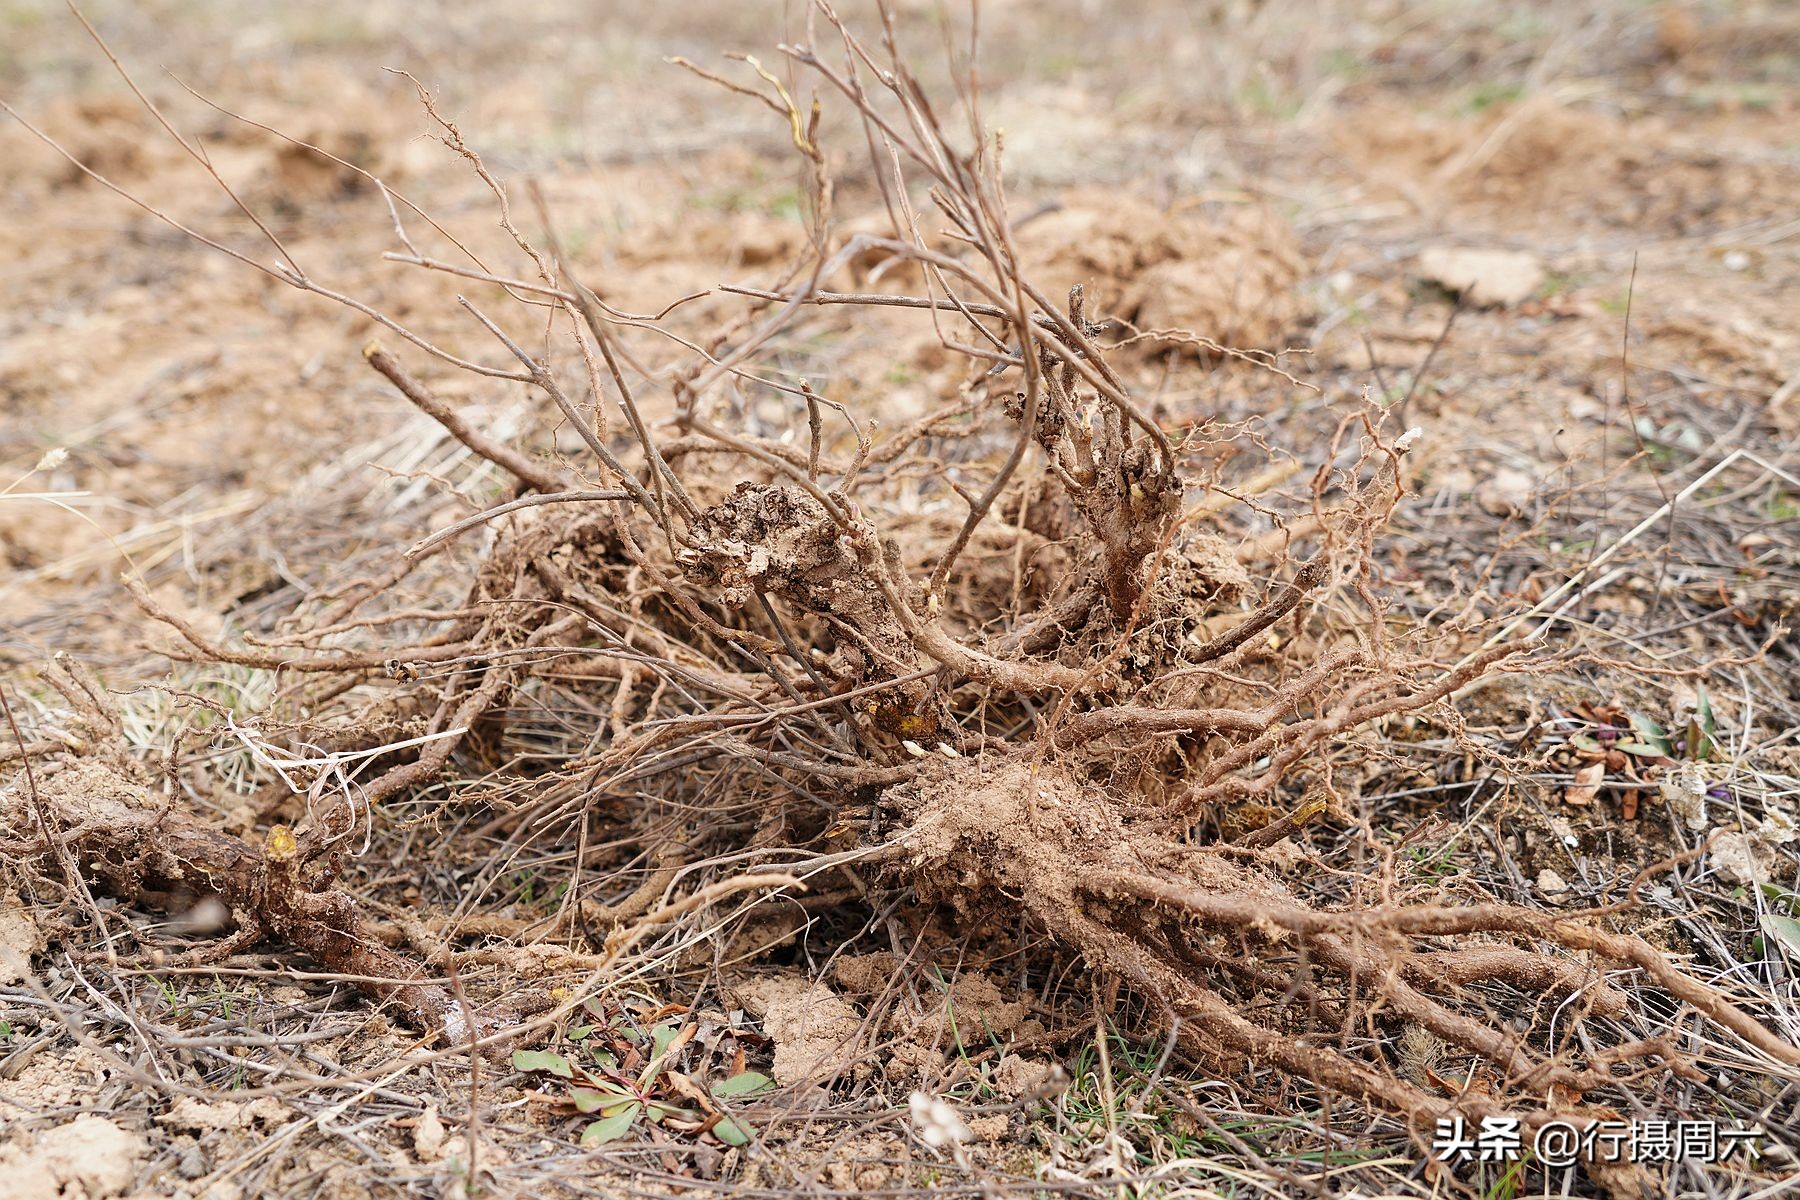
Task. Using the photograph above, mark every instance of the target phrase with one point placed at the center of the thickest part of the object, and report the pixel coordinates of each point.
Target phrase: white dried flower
(52, 459)
(938, 1124)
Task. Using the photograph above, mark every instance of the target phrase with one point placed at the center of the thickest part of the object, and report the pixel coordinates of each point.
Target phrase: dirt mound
(109, 134)
(1537, 158)
(1230, 275)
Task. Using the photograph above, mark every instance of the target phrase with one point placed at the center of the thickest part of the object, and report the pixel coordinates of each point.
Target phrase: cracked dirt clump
(865, 974)
(814, 1029)
(88, 1157)
(974, 823)
(20, 938)
(978, 1003)
(779, 541)
(1016, 1076)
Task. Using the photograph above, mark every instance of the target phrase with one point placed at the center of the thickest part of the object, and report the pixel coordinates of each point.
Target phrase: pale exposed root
(1164, 915)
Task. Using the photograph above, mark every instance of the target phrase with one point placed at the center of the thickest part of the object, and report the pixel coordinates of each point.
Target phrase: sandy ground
(1303, 179)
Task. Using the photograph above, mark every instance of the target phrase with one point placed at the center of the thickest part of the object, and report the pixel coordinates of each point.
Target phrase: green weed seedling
(621, 1074)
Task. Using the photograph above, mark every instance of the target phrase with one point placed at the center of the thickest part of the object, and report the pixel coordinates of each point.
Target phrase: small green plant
(1506, 1185)
(229, 999)
(1734, 96)
(621, 1073)
(1696, 743)
(170, 996)
(1345, 64)
(1780, 922)
(1435, 863)
(1263, 97)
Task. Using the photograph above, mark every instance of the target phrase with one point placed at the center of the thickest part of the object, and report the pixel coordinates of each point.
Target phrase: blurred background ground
(1592, 137)
(1286, 177)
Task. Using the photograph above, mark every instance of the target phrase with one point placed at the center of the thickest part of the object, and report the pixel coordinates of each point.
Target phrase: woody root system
(1014, 659)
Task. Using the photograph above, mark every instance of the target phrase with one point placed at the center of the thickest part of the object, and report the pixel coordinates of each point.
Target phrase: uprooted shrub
(782, 635)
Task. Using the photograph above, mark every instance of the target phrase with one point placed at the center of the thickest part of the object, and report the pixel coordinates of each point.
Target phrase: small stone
(191, 1164)
(1507, 492)
(1549, 883)
(91, 1154)
(19, 939)
(989, 1129)
(1735, 856)
(428, 1135)
(1485, 278)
